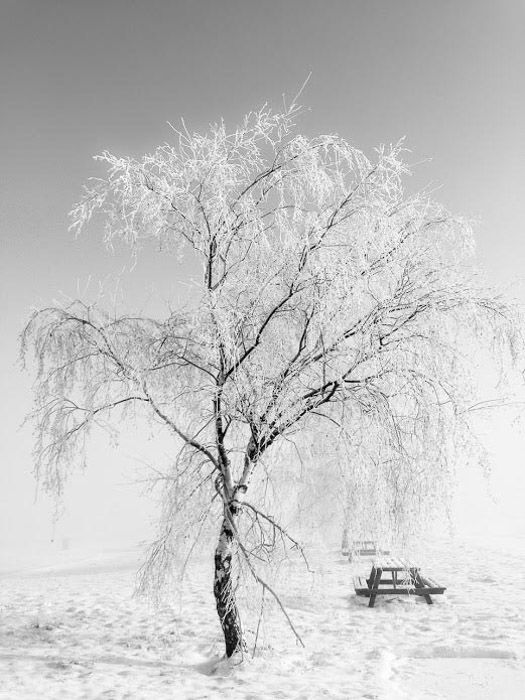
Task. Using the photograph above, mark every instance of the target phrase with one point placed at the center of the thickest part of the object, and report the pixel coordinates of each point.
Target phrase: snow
(71, 628)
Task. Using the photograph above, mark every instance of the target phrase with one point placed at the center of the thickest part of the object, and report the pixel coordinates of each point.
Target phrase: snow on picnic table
(75, 631)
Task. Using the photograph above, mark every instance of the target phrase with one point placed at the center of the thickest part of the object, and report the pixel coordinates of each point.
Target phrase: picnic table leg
(420, 583)
(370, 580)
(375, 577)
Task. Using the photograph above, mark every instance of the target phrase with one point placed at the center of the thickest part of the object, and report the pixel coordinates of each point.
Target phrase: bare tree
(327, 294)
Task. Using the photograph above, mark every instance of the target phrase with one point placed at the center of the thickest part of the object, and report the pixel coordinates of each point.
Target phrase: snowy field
(71, 629)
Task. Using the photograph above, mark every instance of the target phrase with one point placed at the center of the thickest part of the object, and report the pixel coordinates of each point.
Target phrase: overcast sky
(79, 76)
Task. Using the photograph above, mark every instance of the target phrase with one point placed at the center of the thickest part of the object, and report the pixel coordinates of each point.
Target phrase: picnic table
(394, 576)
(365, 548)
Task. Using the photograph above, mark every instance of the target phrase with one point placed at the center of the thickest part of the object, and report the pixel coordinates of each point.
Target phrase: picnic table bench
(402, 578)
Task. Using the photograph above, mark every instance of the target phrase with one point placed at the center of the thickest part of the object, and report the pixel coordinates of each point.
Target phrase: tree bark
(224, 586)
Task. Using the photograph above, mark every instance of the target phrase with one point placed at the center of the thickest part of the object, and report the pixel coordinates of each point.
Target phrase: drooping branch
(278, 528)
(188, 440)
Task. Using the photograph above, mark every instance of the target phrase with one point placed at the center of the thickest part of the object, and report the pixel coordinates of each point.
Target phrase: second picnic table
(402, 578)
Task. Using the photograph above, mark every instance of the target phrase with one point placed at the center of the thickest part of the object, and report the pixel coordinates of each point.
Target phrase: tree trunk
(224, 586)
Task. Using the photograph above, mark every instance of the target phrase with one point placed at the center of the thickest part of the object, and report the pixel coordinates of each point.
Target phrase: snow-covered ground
(70, 628)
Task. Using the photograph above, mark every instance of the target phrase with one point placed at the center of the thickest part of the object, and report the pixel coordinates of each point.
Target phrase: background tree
(328, 294)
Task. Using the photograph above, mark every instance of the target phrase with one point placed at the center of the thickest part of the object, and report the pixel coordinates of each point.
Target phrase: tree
(328, 295)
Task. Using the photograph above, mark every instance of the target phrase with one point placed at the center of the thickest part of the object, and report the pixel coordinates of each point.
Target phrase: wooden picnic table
(394, 576)
(365, 548)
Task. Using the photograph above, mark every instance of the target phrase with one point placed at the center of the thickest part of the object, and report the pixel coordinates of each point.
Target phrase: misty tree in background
(328, 296)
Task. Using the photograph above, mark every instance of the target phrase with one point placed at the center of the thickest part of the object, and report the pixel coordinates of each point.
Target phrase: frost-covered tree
(328, 294)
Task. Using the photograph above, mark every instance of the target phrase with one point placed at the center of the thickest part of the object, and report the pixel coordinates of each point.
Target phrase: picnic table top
(394, 564)
(364, 543)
